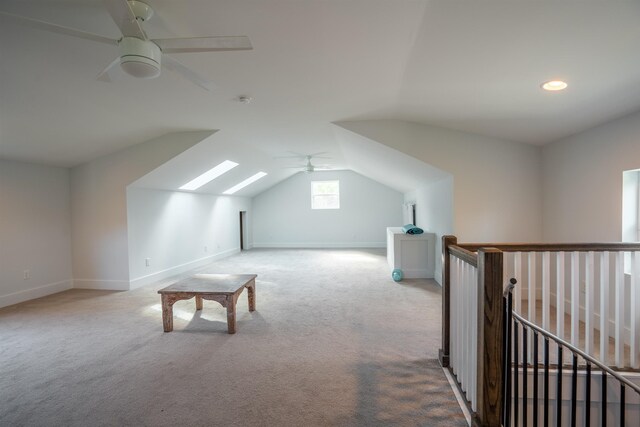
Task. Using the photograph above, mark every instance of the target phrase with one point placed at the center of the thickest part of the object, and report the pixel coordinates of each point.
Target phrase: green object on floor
(397, 275)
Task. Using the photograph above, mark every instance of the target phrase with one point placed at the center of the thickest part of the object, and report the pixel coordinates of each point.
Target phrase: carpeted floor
(334, 342)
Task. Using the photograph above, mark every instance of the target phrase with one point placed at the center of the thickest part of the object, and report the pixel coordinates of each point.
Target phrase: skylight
(246, 182)
(209, 175)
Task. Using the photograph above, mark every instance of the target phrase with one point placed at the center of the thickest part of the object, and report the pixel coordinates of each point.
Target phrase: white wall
(283, 216)
(35, 231)
(99, 208)
(497, 184)
(582, 181)
(172, 229)
(434, 213)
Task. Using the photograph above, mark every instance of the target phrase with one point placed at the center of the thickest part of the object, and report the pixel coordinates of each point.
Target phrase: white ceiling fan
(139, 55)
(308, 167)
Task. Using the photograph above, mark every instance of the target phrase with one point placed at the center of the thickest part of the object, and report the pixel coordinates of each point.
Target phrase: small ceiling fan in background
(139, 55)
(308, 167)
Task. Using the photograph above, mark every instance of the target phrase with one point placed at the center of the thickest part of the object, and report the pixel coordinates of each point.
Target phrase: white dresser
(413, 254)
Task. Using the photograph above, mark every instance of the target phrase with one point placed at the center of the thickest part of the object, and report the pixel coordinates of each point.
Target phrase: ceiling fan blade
(107, 75)
(54, 28)
(295, 155)
(187, 73)
(288, 157)
(124, 18)
(316, 155)
(204, 44)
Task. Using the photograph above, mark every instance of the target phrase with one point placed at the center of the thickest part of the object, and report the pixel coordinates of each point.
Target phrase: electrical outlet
(206, 249)
(147, 262)
(26, 275)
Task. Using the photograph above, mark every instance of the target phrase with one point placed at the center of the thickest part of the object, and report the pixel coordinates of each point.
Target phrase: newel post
(443, 354)
(490, 322)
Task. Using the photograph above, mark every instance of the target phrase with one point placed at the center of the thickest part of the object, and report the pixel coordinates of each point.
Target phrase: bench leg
(167, 313)
(198, 302)
(251, 293)
(231, 314)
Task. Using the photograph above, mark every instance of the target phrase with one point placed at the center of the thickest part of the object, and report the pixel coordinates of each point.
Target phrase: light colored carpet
(334, 342)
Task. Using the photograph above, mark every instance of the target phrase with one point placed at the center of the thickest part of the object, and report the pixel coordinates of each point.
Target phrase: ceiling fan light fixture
(140, 58)
(140, 68)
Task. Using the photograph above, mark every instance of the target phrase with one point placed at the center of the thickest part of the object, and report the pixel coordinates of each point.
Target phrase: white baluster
(560, 294)
(459, 316)
(604, 307)
(467, 329)
(532, 286)
(546, 292)
(453, 312)
(517, 290)
(474, 339)
(589, 305)
(634, 344)
(575, 298)
(619, 315)
(463, 326)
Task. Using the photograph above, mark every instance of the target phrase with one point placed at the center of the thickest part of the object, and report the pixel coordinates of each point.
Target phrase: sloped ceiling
(467, 65)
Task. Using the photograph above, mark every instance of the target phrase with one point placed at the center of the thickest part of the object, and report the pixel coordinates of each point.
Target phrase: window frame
(314, 194)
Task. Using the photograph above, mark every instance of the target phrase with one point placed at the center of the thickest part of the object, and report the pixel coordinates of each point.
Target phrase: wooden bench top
(218, 284)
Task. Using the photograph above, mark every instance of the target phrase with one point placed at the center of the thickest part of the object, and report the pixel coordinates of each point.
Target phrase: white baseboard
(39, 292)
(106, 285)
(177, 269)
(416, 273)
(321, 245)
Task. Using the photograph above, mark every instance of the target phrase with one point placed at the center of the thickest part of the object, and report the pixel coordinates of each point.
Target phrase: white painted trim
(421, 273)
(437, 276)
(172, 271)
(107, 285)
(459, 398)
(39, 292)
(328, 245)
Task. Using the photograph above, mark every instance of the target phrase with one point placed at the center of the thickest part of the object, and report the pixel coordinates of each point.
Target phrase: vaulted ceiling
(461, 64)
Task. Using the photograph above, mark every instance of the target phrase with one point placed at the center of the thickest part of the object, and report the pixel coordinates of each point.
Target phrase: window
(325, 194)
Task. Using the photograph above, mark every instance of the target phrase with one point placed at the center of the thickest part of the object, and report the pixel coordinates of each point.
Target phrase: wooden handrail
(554, 247)
(464, 254)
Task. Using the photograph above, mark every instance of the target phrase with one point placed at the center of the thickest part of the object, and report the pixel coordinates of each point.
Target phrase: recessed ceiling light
(246, 182)
(554, 85)
(209, 175)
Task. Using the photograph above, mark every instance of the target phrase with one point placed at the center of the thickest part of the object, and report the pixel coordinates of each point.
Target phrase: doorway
(243, 231)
